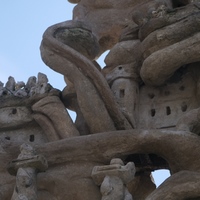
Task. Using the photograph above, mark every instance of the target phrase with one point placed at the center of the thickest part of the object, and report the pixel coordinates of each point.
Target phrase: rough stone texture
(26, 167)
(113, 179)
(142, 107)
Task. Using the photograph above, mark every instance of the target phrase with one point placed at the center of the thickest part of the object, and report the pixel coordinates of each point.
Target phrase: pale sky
(22, 24)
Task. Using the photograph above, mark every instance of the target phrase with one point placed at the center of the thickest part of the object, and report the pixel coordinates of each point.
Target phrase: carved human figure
(113, 179)
(26, 167)
(25, 185)
(26, 177)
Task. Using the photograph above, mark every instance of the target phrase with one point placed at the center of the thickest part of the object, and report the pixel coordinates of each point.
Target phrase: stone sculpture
(142, 107)
(113, 179)
(26, 168)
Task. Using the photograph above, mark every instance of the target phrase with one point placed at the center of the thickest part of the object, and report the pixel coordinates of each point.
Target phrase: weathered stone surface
(87, 156)
(171, 34)
(97, 13)
(14, 117)
(113, 179)
(183, 48)
(52, 108)
(80, 39)
(123, 77)
(86, 71)
(182, 185)
(26, 167)
(142, 108)
(33, 87)
(157, 69)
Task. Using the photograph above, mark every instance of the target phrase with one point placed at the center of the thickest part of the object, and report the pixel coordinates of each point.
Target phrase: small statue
(113, 179)
(26, 167)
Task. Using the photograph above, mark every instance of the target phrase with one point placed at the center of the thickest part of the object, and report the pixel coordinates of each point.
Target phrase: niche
(168, 110)
(14, 111)
(184, 107)
(121, 93)
(153, 112)
(5, 92)
(7, 138)
(151, 95)
(31, 138)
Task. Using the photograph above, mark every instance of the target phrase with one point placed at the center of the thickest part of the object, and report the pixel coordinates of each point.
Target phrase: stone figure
(26, 168)
(113, 179)
(142, 107)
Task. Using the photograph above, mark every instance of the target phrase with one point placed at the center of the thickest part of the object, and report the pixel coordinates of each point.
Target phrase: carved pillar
(113, 179)
(25, 168)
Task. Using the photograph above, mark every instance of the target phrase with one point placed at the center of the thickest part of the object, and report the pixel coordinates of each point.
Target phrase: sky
(22, 24)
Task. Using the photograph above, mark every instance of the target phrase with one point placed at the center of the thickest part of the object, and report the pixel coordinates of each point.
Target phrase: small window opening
(32, 138)
(184, 107)
(153, 112)
(168, 110)
(121, 93)
(151, 95)
(14, 111)
(182, 88)
(7, 138)
(5, 93)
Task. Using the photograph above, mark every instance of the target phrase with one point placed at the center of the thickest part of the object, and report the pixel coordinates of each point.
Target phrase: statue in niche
(113, 179)
(25, 168)
(142, 107)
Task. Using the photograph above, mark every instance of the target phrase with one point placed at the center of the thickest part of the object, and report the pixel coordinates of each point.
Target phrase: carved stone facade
(137, 114)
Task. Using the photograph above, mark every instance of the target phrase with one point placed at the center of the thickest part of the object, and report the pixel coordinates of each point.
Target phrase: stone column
(25, 168)
(113, 179)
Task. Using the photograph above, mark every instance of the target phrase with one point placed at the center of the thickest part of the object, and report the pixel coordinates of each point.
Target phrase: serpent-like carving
(143, 107)
(165, 49)
(170, 41)
(79, 69)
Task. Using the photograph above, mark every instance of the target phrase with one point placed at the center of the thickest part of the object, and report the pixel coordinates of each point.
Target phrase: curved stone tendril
(86, 67)
(182, 185)
(172, 51)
